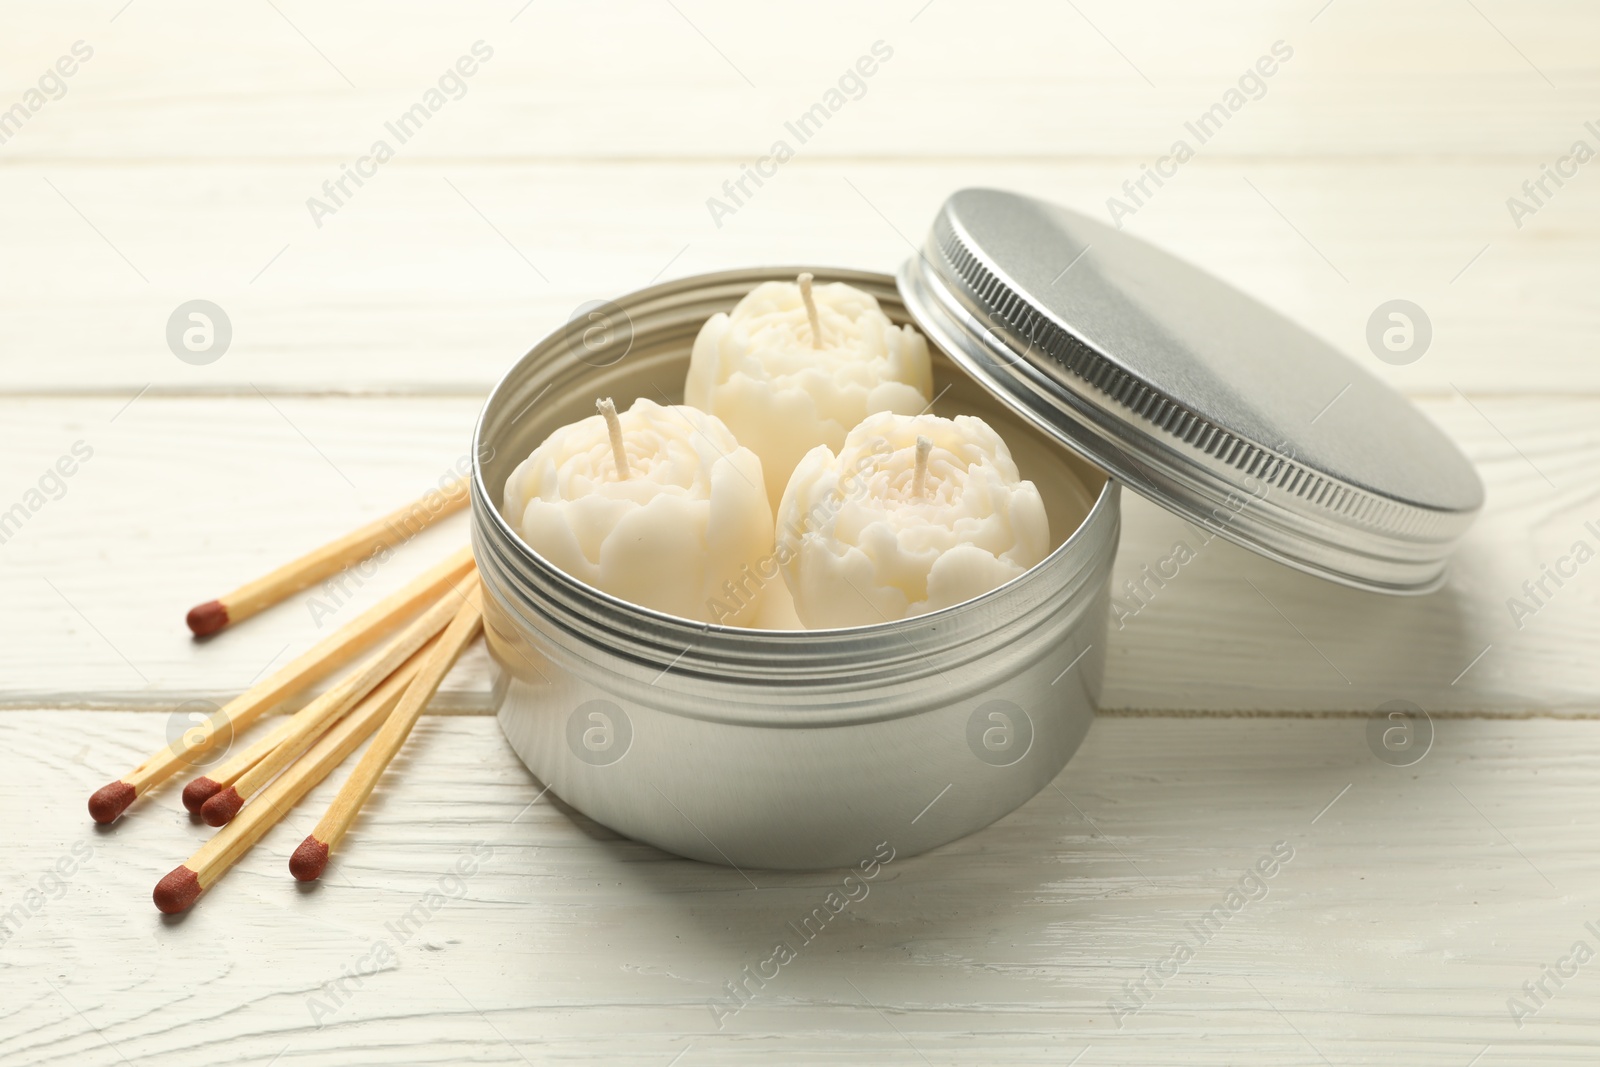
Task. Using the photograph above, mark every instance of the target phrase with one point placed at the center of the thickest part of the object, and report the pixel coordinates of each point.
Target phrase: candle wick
(608, 411)
(811, 310)
(920, 479)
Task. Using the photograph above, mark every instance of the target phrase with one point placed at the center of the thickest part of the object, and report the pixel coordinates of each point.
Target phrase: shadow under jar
(768, 748)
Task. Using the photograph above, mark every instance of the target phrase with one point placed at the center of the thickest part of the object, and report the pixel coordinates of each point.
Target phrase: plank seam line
(811, 161)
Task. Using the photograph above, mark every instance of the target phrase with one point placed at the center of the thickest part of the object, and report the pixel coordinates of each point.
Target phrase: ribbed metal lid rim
(1014, 338)
(1167, 414)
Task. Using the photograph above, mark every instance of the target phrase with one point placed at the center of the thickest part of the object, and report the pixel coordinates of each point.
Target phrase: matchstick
(178, 890)
(311, 857)
(323, 659)
(313, 720)
(393, 529)
(214, 781)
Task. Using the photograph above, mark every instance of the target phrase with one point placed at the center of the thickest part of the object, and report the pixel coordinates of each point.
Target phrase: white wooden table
(1375, 165)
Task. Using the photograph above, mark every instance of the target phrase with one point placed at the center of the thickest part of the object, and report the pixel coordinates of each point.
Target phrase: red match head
(206, 619)
(109, 801)
(197, 792)
(221, 809)
(309, 860)
(177, 891)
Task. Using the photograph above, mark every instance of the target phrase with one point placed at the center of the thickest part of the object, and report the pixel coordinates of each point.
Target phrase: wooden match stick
(311, 857)
(393, 529)
(219, 778)
(214, 781)
(327, 656)
(314, 719)
(178, 890)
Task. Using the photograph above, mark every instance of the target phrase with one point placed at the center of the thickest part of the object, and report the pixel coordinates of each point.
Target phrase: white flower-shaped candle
(794, 366)
(913, 514)
(659, 506)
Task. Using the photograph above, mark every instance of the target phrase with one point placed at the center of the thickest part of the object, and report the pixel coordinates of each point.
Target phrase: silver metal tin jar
(781, 749)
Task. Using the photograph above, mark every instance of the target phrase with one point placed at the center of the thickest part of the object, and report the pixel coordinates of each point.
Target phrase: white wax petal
(964, 572)
(776, 611)
(674, 535)
(860, 546)
(756, 369)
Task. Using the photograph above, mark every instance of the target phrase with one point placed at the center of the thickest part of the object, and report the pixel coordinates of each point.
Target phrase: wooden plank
(1415, 903)
(703, 78)
(436, 276)
(184, 497)
(210, 504)
(578, 165)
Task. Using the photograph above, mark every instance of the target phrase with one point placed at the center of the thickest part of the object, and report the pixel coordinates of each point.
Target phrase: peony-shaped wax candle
(793, 366)
(913, 514)
(659, 506)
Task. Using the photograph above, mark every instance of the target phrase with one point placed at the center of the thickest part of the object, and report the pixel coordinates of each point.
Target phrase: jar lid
(1191, 393)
